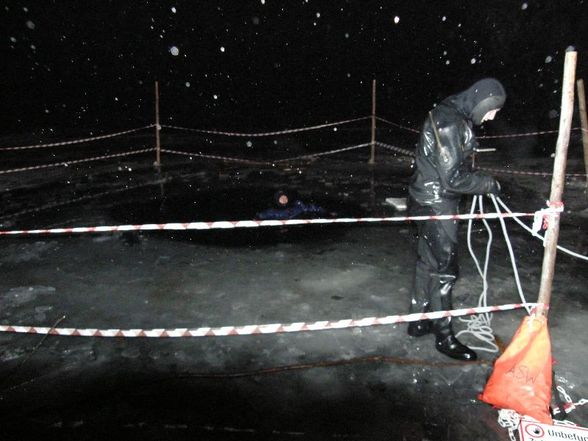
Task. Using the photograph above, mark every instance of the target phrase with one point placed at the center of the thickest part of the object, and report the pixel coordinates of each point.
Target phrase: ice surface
(364, 383)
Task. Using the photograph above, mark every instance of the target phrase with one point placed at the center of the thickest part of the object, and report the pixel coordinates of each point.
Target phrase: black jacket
(443, 170)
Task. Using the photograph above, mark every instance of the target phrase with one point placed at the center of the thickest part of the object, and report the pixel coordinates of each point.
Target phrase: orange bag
(521, 380)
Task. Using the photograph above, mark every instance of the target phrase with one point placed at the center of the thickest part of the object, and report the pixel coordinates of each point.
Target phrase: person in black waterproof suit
(442, 175)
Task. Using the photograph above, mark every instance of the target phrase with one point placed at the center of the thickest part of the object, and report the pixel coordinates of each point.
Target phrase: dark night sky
(268, 64)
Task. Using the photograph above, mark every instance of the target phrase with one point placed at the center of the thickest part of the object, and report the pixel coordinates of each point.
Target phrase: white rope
(522, 224)
(511, 253)
(479, 325)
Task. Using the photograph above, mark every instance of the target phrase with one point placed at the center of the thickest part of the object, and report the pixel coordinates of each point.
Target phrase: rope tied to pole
(541, 217)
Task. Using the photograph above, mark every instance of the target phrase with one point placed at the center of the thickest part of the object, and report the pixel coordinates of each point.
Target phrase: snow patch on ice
(23, 294)
(331, 281)
(9, 354)
(27, 252)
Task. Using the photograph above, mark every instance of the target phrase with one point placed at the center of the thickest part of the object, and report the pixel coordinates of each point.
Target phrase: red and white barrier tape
(518, 135)
(274, 328)
(528, 173)
(220, 158)
(126, 188)
(514, 135)
(77, 161)
(277, 161)
(223, 225)
(261, 134)
(77, 141)
(315, 155)
(410, 129)
(400, 150)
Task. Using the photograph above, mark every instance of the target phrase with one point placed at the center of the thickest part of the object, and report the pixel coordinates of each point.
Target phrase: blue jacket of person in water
(285, 210)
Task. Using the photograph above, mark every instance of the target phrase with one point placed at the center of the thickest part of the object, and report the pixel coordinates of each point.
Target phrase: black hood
(484, 96)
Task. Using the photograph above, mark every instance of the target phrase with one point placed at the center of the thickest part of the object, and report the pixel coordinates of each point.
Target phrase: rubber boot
(447, 343)
(420, 301)
(445, 340)
(420, 328)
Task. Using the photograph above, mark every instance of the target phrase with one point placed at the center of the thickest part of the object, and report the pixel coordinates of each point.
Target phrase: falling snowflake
(396, 19)
(548, 59)
(524, 6)
(30, 24)
(473, 61)
(174, 51)
(222, 49)
(187, 84)
(173, 9)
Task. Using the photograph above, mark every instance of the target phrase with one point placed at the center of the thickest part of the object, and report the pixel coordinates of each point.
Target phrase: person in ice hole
(287, 206)
(442, 175)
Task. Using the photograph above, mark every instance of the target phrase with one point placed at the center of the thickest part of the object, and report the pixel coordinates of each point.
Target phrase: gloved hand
(495, 190)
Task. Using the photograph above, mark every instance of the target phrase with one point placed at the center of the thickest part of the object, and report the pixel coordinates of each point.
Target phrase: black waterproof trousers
(436, 271)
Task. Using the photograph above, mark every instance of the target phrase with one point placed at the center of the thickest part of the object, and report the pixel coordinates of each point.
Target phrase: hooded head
(485, 95)
(281, 199)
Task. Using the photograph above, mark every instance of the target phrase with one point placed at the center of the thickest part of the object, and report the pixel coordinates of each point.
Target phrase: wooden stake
(557, 181)
(584, 123)
(373, 142)
(157, 128)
